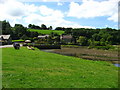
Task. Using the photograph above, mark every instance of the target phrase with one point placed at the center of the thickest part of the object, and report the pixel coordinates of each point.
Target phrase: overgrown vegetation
(37, 69)
(96, 37)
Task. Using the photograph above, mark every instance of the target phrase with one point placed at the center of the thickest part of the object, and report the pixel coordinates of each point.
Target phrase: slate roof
(5, 36)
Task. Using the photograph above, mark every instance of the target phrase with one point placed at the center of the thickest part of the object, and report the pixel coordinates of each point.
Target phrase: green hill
(46, 31)
(38, 69)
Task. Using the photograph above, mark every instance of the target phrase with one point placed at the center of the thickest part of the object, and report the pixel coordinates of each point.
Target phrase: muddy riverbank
(90, 54)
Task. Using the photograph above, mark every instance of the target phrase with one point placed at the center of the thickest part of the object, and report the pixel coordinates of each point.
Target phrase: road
(5, 46)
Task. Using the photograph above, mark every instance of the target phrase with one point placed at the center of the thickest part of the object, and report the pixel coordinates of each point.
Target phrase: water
(117, 65)
(47, 50)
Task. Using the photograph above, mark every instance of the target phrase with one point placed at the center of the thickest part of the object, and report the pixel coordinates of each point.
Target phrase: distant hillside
(46, 31)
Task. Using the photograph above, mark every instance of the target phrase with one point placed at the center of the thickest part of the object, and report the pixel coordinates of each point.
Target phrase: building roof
(47, 35)
(66, 36)
(5, 36)
(27, 41)
(43, 36)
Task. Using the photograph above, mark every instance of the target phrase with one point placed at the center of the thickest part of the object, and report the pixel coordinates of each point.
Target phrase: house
(5, 39)
(42, 39)
(27, 41)
(66, 38)
(43, 36)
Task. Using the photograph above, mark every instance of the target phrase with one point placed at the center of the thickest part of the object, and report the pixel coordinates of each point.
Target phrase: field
(38, 69)
(46, 31)
(20, 40)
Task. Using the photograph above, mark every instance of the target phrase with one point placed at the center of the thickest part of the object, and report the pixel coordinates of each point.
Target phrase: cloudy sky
(63, 13)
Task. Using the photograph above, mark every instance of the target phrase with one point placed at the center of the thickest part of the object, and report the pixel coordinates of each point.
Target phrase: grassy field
(20, 40)
(46, 31)
(38, 69)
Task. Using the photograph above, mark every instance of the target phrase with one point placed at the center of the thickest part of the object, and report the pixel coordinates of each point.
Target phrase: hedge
(48, 46)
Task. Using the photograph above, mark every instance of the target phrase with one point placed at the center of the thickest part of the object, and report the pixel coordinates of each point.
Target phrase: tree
(33, 34)
(19, 30)
(43, 26)
(91, 42)
(50, 28)
(60, 28)
(82, 41)
(33, 26)
(30, 26)
(6, 27)
(57, 39)
(24, 37)
(50, 40)
(96, 37)
(68, 30)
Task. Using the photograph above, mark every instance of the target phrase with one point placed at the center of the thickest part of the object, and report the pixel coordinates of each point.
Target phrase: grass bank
(37, 69)
(46, 31)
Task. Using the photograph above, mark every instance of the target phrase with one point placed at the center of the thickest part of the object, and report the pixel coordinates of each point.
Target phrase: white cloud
(44, 10)
(59, 4)
(114, 17)
(47, 0)
(17, 12)
(11, 10)
(91, 9)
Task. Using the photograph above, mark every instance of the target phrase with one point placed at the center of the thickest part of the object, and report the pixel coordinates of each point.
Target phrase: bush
(102, 47)
(82, 41)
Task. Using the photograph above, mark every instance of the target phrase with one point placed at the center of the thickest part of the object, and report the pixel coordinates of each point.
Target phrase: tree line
(98, 37)
(42, 27)
(81, 36)
(17, 32)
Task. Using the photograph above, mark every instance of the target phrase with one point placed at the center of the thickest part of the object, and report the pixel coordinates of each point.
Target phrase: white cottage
(6, 39)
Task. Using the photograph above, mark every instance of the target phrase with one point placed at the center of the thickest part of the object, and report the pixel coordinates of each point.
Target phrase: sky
(61, 13)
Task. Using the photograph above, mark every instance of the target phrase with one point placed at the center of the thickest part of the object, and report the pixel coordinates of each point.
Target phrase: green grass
(46, 31)
(17, 40)
(37, 69)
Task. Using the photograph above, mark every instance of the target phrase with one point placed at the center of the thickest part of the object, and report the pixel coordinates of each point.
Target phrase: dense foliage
(43, 26)
(18, 31)
(81, 36)
(99, 37)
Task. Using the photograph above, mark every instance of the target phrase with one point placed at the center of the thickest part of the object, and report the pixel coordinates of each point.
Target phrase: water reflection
(117, 65)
